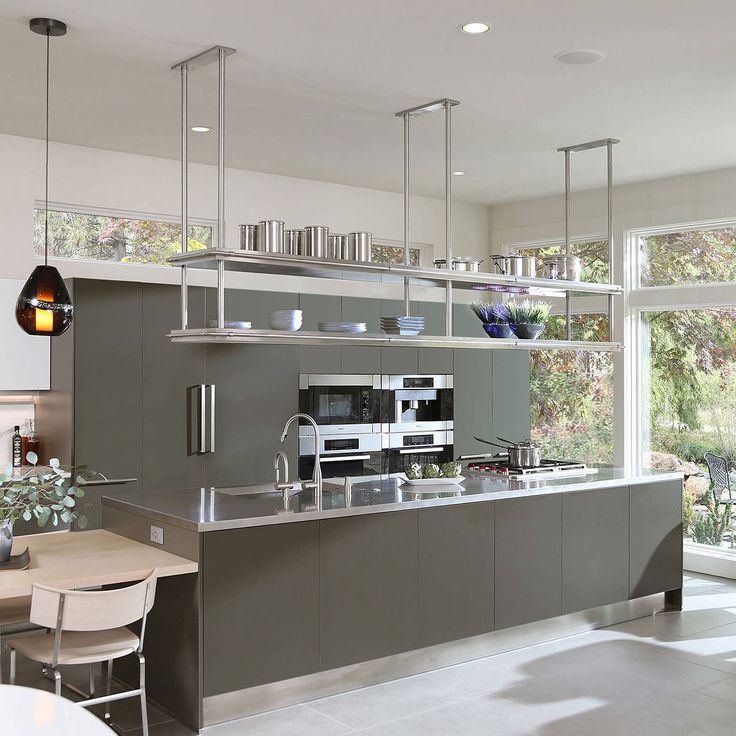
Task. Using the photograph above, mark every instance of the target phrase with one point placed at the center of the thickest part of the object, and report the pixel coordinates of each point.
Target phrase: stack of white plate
(289, 320)
(354, 327)
(402, 325)
(233, 325)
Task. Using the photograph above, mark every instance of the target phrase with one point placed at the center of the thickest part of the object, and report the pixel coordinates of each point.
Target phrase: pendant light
(44, 306)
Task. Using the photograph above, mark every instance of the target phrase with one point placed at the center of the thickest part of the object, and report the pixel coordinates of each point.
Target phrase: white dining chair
(10, 616)
(87, 627)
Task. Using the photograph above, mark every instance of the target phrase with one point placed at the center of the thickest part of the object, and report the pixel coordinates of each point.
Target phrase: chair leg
(91, 682)
(108, 717)
(12, 666)
(144, 708)
(57, 682)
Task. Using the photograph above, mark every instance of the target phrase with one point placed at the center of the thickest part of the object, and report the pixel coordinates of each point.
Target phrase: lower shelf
(275, 337)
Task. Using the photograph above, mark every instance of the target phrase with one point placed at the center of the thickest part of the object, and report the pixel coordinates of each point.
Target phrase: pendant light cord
(46, 218)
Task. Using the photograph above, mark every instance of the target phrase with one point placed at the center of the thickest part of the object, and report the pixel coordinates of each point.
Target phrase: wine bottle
(17, 447)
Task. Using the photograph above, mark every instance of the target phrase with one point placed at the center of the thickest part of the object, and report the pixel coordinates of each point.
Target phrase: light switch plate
(157, 534)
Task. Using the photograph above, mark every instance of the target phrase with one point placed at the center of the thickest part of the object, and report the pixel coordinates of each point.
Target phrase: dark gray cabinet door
(257, 390)
(168, 369)
(595, 548)
(510, 394)
(656, 537)
(528, 580)
(368, 587)
(455, 572)
(261, 605)
(107, 383)
(473, 400)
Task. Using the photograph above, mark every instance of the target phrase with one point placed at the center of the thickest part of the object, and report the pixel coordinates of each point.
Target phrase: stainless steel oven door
(338, 443)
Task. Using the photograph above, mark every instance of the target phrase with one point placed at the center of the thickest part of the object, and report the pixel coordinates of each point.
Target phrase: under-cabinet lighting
(458, 173)
(200, 129)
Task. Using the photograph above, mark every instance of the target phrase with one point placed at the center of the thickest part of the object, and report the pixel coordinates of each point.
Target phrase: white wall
(118, 181)
(677, 200)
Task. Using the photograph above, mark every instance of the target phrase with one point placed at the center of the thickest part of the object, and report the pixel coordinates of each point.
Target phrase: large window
(572, 391)
(394, 254)
(693, 255)
(689, 409)
(99, 237)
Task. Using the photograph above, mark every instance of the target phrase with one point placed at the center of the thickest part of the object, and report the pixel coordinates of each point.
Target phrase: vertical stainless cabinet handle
(200, 418)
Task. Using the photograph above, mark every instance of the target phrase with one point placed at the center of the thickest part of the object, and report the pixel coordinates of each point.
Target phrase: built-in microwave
(341, 399)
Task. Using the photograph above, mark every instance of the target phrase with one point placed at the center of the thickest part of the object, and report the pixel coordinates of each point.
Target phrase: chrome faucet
(278, 459)
(317, 474)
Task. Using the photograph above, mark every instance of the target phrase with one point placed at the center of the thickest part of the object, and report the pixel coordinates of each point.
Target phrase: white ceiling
(315, 83)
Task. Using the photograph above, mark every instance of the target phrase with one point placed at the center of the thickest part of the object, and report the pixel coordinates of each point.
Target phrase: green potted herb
(528, 318)
(495, 319)
(43, 493)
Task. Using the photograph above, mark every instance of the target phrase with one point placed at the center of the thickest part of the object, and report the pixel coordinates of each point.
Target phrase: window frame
(120, 214)
(426, 250)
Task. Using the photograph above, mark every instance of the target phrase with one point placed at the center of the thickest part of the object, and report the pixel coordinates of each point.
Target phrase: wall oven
(401, 450)
(343, 451)
(340, 400)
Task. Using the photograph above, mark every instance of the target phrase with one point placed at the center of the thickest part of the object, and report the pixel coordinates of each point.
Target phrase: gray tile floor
(673, 673)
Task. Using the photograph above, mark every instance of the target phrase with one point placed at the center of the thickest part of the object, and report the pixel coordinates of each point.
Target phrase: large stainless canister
(316, 241)
(292, 238)
(249, 237)
(360, 246)
(339, 247)
(271, 236)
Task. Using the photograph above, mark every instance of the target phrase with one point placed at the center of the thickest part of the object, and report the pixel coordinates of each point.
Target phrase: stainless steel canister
(271, 236)
(316, 241)
(292, 238)
(249, 237)
(339, 247)
(360, 246)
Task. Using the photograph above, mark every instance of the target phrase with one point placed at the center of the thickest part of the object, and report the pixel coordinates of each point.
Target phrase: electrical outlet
(157, 534)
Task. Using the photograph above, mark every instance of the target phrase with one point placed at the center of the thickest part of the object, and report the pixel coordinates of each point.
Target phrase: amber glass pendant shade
(44, 306)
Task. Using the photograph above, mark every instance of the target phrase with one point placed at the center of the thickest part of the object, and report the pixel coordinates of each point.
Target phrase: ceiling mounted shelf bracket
(608, 144)
(212, 55)
(445, 104)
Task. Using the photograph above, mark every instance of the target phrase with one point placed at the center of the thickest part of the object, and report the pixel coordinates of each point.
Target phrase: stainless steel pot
(524, 454)
(360, 246)
(316, 241)
(249, 237)
(515, 265)
(271, 236)
(564, 267)
(459, 264)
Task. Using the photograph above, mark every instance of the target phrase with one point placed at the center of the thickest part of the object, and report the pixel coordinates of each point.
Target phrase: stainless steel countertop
(211, 509)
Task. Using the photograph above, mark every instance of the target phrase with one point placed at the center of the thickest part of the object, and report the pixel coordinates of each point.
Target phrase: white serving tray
(431, 481)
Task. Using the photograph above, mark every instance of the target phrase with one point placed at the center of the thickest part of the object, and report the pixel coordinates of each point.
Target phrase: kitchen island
(307, 595)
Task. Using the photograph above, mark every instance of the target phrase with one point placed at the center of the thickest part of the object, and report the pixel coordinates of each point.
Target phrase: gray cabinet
(656, 537)
(528, 559)
(261, 605)
(168, 369)
(368, 587)
(455, 572)
(595, 548)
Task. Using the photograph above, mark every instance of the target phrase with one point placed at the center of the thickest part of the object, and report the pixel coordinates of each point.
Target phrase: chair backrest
(95, 610)
(718, 471)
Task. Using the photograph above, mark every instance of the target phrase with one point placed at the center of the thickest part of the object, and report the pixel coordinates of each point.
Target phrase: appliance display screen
(418, 382)
(412, 440)
(338, 406)
(349, 443)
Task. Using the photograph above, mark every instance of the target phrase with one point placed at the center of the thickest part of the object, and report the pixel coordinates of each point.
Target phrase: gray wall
(117, 402)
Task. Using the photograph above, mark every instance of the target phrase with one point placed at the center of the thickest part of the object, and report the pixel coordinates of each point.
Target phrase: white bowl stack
(288, 320)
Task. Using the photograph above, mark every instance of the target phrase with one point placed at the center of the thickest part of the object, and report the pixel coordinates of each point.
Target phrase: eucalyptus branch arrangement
(528, 312)
(491, 314)
(43, 493)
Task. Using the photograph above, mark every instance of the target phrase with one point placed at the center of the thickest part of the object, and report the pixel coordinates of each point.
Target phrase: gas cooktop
(499, 466)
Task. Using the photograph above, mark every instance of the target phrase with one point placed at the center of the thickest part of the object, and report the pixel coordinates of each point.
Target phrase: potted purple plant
(495, 319)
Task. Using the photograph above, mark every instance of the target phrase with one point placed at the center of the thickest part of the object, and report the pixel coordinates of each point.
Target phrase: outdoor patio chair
(719, 478)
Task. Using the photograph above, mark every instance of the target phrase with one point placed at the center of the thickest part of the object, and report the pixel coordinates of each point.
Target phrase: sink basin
(263, 489)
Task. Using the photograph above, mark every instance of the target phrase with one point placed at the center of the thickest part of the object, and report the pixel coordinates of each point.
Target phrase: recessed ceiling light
(475, 27)
(458, 173)
(580, 56)
(200, 129)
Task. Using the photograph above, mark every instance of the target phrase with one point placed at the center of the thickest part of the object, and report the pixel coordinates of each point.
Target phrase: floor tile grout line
(329, 717)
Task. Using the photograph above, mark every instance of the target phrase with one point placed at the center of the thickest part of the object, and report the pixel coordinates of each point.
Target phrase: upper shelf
(290, 265)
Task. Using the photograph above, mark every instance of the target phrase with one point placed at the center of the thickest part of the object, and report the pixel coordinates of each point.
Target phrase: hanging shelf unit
(222, 259)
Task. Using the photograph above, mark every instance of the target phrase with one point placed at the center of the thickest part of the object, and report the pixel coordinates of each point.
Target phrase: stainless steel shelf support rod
(445, 104)
(184, 191)
(407, 295)
(213, 54)
(567, 150)
(448, 214)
